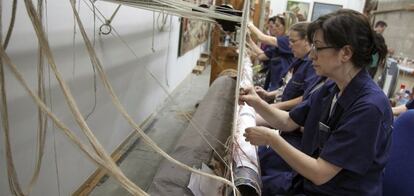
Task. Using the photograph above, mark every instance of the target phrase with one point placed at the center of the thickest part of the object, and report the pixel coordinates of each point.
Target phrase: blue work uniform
(354, 135)
(276, 173)
(280, 58)
(303, 76)
(266, 63)
(318, 83)
(410, 105)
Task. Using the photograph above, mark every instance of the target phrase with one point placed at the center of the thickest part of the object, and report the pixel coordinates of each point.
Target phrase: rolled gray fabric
(215, 115)
(247, 181)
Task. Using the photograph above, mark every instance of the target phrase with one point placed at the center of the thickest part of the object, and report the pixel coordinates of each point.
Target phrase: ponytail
(380, 48)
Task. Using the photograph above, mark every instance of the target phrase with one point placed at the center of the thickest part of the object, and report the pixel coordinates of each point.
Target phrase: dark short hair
(281, 19)
(272, 19)
(349, 27)
(301, 28)
(381, 23)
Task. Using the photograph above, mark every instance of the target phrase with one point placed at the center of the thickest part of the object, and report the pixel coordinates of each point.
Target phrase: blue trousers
(276, 174)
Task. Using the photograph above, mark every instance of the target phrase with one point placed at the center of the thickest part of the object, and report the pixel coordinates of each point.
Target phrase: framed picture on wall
(193, 32)
(320, 9)
(300, 9)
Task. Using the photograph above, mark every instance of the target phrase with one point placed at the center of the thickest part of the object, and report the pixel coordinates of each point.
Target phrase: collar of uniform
(306, 58)
(353, 89)
(297, 62)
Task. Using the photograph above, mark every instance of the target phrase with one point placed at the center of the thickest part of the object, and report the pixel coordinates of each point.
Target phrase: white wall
(139, 93)
(279, 6)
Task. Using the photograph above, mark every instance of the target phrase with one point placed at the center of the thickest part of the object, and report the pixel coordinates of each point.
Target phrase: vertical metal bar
(242, 43)
(262, 14)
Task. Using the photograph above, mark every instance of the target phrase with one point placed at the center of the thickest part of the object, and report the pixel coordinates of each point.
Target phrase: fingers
(241, 96)
(257, 88)
(249, 96)
(261, 92)
(242, 93)
(249, 24)
(241, 101)
(250, 135)
(247, 134)
(246, 90)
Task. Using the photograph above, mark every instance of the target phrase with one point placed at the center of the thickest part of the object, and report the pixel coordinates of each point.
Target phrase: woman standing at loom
(352, 113)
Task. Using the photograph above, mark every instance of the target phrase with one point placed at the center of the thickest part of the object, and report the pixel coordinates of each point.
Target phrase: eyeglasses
(292, 41)
(315, 50)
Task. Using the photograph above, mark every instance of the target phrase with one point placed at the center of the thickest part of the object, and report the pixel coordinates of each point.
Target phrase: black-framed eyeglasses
(317, 49)
(292, 41)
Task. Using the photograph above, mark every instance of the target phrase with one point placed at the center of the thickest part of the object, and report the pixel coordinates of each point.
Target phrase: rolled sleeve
(270, 52)
(283, 45)
(310, 77)
(300, 112)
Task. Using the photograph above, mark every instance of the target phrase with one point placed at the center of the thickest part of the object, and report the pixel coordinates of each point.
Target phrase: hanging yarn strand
(53, 127)
(15, 185)
(42, 120)
(74, 48)
(93, 67)
(153, 33)
(11, 25)
(11, 171)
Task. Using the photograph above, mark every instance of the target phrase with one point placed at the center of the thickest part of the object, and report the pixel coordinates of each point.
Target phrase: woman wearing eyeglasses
(347, 124)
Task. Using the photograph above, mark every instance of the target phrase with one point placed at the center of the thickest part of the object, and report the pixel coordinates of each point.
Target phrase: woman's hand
(249, 96)
(260, 135)
(263, 94)
(250, 25)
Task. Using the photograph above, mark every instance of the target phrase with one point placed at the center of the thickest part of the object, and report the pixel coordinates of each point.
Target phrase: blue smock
(266, 63)
(303, 76)
(358, 139)
(318, 82)
(275, 172)
(280, 59)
